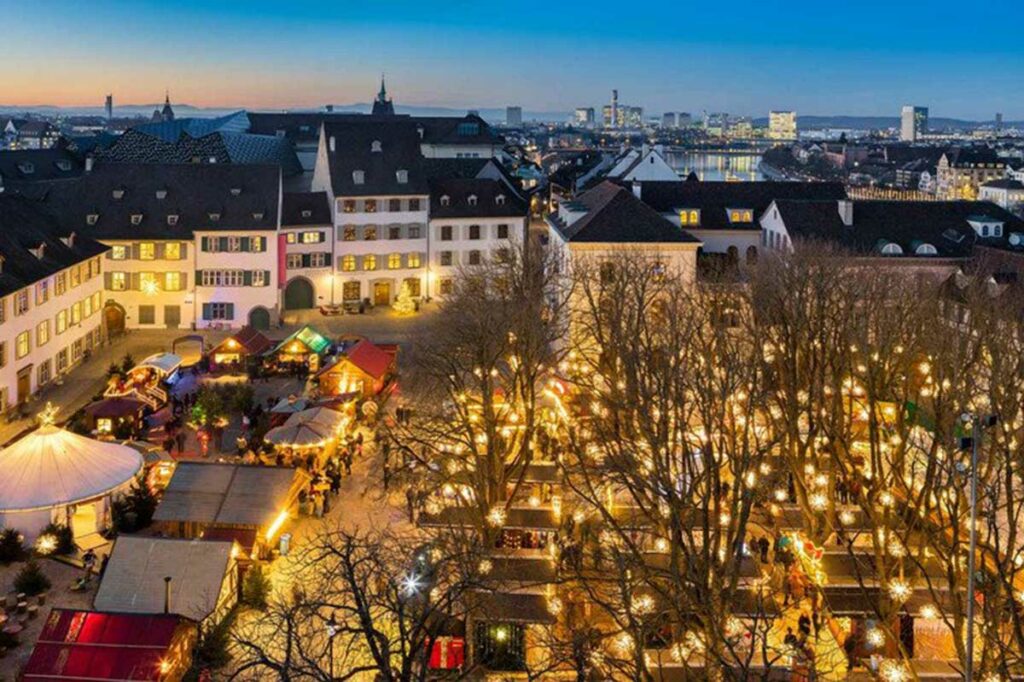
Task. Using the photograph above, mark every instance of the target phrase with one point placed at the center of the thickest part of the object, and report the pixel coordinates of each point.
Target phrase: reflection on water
(710, 166)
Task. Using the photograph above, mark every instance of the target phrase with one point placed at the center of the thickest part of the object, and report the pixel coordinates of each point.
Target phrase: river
(717, 166)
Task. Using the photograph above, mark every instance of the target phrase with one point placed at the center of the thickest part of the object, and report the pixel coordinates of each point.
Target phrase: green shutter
(307, 260)
(222, 243)
(245, 244)
(159, 251)
(247, 278)
(231, 311)
(204, 244)
(266, 278)
(207, 311)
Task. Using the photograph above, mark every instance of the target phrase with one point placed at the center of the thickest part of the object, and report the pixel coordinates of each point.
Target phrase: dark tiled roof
(170, 131)
(136, 146)
(615, 215)
(244, 197)
(469, 129)
(486, 191)
(297, 126)
(354, 151)
(305, 208)
(714, 199)
(24, 166)
(25, 224)
(963, 157)
(453, 168)
(1005, 183)
(909, 224)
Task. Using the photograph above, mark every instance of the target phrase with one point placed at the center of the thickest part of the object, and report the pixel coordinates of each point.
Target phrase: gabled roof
(966, 157)
(469, 129)
(486, 193)
(378, 149)
(138, 146)
(367, 357)
(25, 225)
(251, 340)
(1004, 183)
(19, 167)
(305, 208)
(309, 337)
(93, 645)
(908, 224)
(204, 197)
(615, 215)
(170, 131)
(134, 579)
(715, 199)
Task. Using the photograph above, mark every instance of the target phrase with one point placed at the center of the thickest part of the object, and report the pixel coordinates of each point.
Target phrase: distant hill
(493, 115)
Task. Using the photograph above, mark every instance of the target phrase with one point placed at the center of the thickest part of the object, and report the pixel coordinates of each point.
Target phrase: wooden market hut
(238, 350)
(305, 346)
(108, 416)
(362, 371)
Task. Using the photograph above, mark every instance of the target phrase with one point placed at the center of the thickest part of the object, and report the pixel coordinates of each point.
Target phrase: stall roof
(134, 579)
(92, 645)
(522, 607)
(110, 408)
(367, 357)
(309, 337)
(163, 362)
(227, 494)
(251, 340)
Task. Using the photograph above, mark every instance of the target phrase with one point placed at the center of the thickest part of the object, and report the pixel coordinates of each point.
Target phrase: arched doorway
(298, 295)
(113, 318)
(259, 318)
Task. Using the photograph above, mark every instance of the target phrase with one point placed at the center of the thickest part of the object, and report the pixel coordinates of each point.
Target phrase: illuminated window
(21, 302)
(370, 205)
(172, 281)
(350, 291)
(689, 217)
(312, 237)
(76, 276)
(43, 333)
(259, 278)
(76, 312)
(118, 281)
(22, 345)
(349, 233)
(370, 233)
(369, 262)
(348, 263)
(290, 238)
(172, 251)
(61, 283)
(413, 260)
(147, 251)
(348, 206)
(294, 260)
(394, 261)
(61, 321)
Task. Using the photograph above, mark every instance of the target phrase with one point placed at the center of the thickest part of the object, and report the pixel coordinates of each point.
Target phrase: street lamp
(332, 631)
(973, 442)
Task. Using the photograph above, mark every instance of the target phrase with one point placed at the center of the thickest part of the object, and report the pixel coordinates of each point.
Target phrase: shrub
(12, 547)
(134, 511)
(127, 362)
(65, 538)
(256, 588)
(31, 580)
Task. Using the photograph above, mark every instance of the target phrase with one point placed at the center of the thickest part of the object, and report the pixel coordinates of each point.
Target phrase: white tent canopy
(51, 467)
(165, 363)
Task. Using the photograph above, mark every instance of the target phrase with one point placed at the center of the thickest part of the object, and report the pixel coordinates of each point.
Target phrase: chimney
(637, 188)
(88, 164)
(167, 594)
(330, 108)
(846, 212)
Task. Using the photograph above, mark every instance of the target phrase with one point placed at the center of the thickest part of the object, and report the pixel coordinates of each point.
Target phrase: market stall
(302, 349)
(236, 352)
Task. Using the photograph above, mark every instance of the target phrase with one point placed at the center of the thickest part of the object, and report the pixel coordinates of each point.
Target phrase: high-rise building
(614, 114)
(782, 125)
(584, 116)
(913, 123)
(684, 119)
(668, 119)
(514, 116)
(999, 123)
(109, 106)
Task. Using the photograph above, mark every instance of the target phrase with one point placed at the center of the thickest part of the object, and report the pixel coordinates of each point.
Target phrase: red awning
(101, 646)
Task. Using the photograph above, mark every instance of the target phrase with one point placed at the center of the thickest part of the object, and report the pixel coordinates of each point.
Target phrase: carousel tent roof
(51, 467)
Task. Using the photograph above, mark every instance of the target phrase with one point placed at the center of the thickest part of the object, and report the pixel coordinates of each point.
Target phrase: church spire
(382, 96)
(382, 106)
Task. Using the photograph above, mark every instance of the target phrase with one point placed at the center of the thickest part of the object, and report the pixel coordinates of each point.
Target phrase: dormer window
(926, 250)
(890, 248)
(446, 200)
(27, 167)
(161, 194)
(40, 251)
(402, 176)
(375, 146)
(740, 215)
(69, 241)
(689, 217)
(258, 215)
(235, 191)
(92, 218)
(136, 218)
(307, 213)
(214, 217)
(471, 200)
(358, 177)
(118, 194)
(500, 200)
(64, 165)
(172, 220)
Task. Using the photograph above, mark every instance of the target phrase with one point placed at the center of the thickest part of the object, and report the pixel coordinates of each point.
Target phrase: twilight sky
(744, 56)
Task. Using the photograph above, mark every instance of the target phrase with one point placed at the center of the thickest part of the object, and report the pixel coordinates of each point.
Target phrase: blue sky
(960, 59)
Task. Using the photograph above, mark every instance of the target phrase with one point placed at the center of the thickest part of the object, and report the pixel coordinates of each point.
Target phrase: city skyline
(826, 62)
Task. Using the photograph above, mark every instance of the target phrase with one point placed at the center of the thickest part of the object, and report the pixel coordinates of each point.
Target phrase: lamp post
(332, 631)
(974, 443)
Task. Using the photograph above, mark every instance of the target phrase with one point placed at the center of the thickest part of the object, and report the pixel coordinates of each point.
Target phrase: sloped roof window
(136, 218)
